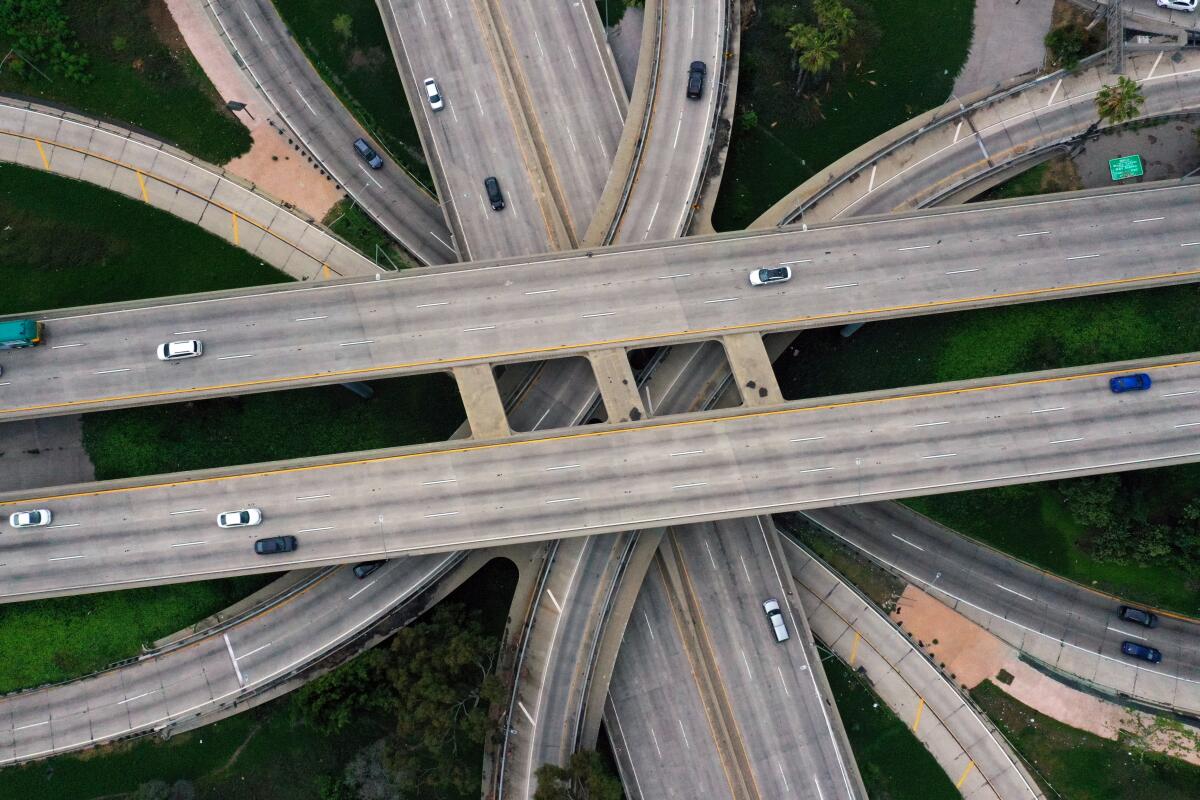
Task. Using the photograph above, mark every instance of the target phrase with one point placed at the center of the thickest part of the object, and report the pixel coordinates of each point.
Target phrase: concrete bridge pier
(752, 370)
(618, 388)
(481, 400)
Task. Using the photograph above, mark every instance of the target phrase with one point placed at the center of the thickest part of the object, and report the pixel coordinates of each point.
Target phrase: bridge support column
(617, 385)
(752, 371)
(481, 399)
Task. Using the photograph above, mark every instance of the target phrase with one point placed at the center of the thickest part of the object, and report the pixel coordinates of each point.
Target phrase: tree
(835, 19)
(40, 33)
(814, 49)
(343, 25)
(748, 120)
(1120, 103)
(442, 672)
(333, 701)
(1065, 44)
(585, 778)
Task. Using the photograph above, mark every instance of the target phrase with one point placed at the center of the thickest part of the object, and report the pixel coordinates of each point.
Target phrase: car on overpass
(30, 519)
(367, 153)
(275, 544)
(178, 351)
(1138, 382)
(775, 617)
(245, 518)
(1178, 5)
(695, 83)
(1138, 616)
(765, 275)
(435, 97)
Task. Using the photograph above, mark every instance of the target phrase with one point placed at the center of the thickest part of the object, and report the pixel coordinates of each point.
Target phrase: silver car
(1178, 5)
(245, 518)
(775, 616)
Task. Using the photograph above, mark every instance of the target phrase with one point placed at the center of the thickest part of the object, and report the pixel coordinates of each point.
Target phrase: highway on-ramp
(720, 465)
(641, 295)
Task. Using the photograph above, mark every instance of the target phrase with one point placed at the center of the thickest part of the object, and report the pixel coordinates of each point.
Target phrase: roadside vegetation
(1082, 766)
(893, 762)
(1059, 174)
(284, 750)
(816, 81)
(123, 60)
(1070, 39)
(345, 40)
(67, 243)
(350, 222)
(46, 641)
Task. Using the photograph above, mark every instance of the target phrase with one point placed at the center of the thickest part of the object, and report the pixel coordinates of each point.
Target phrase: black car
(1141, 651)
(1131, 614)
(493, 192)
(275, 544)
(366, 568)
(696, 73)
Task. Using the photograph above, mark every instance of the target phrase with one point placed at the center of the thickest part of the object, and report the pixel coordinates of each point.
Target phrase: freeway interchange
(644, 295)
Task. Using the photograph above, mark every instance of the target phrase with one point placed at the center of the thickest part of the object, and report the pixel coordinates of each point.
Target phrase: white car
(435, 97)
(245, 518)
(30, 519)
(177, 351)
(775, 616)
(765, 275)
(1178, 5)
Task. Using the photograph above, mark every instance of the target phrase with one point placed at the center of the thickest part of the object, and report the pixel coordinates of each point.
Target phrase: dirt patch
(1061, 175)
(164, 27)
(965, 651)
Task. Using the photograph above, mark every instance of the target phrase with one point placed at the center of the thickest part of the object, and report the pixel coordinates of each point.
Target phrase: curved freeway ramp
(958, 146)
(160, 175)
(965, 744)
(219, 671)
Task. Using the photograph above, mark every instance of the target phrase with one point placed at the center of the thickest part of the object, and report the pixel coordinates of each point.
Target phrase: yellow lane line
(580, 435)
(854, 647)
(42, 153)
(966, 772)
(917, 722)
(236, 240)
(142, 184)
(615, 342)
(100, 156)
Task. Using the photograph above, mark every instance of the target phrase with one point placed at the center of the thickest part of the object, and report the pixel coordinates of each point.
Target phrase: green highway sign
(1125, 167)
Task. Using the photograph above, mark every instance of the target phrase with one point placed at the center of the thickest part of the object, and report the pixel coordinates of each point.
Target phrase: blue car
(1129, 383)
(1141, 651)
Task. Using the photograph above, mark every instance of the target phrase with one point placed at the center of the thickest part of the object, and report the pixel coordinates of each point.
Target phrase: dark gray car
(275, 544)
(367, 153)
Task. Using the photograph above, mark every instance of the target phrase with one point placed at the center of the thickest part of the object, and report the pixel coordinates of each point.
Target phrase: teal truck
(20, 333)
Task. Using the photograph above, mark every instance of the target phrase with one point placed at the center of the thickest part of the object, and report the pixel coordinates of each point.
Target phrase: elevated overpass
(408, 501)
(284, 337)
(959, 148)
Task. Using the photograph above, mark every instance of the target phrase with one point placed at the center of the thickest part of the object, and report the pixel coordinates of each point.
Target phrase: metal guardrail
(967, 700)
(715, 124)
(854, 170)
(518, 665)
(639, 147)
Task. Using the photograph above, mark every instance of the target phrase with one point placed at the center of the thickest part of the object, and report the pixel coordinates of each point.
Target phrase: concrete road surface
(406, 501)
(276, 338)
(778, 709)
(1072, 628)
(327, 130)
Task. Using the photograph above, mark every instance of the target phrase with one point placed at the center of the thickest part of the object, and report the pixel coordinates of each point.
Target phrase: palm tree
(815, 51)
(1120, 103)
(835, 19)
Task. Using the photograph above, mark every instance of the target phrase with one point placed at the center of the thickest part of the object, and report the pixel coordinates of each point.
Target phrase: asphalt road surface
(452, 496)
(963, 573)
(273, 58)
(276, 338)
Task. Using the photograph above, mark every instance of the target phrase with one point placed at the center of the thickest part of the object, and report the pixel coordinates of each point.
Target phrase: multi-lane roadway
(716, 466)
(276, 338)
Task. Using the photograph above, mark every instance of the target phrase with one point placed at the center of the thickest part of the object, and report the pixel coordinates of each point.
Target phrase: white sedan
(765, 275)
(1178, 5)
(177, 351)
(30, 519)
(245, 518)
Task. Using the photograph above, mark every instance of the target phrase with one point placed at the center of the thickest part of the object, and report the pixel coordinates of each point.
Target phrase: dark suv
(696, 80)
(367, 153)
(1131, 614)
(275, 544)
(493, 192)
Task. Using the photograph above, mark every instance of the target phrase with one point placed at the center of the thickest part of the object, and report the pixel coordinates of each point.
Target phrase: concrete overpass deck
(407, 501)
(642, 295)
